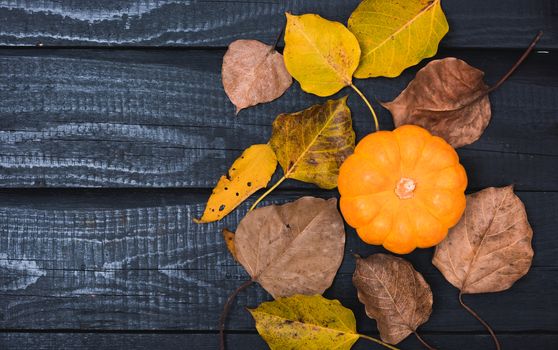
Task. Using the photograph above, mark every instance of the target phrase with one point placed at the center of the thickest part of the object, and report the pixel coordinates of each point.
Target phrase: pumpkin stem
(405, 188)
(423, 342)
(475, 315)
(266, 193)
(226, 308)
(278, 38)
(378, 341)
(369, 106)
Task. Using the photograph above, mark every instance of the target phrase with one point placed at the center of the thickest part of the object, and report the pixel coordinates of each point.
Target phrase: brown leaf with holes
(394, 294)
(253, 73)
(295, 248)
(490, 248)
(449, 98)
(228, 236)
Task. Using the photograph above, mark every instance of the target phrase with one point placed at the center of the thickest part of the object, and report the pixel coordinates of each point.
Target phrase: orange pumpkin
(402, 189)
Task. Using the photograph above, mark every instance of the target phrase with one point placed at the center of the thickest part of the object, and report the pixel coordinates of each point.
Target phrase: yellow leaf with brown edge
(321, 55)
(306, 322)
(312, 144)
(394, 35)
(249, 173)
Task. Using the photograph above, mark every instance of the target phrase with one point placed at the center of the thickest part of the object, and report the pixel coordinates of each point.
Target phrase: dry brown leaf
(394, 294)
(253, 73)
(295, 248)
(449, 98)
(229, 241)
(490, 248)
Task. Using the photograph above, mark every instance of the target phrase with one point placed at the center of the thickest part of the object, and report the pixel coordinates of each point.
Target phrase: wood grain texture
(136, 261)
(475, 23)
(111, 341)
(132, 118)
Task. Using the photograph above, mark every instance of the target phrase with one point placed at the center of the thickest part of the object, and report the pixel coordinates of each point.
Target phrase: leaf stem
(278, 38)
(423, 342)
(367, 104)
(226, 308)
(475, 315)
(378, 341)
(266, 193)
(518, 63)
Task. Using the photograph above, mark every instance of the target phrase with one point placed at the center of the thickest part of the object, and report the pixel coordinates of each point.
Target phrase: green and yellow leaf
(249, 173)
(312, 144)
(322, 55)
(306, 322)
(395, 35)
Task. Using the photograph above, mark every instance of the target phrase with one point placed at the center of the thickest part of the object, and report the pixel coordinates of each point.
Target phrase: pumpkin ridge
(367, 158)
(416, 162)
(379, 211)
(431, 141)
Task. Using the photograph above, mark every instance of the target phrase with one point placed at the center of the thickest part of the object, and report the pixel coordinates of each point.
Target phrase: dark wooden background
(114, 127)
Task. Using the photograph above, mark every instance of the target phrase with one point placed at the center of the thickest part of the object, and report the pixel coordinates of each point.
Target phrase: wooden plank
(475, 23)
(111, 341)
(89, 118)
(124, 262)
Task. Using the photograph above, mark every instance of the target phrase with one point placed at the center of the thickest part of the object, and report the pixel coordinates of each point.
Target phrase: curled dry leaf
(490, 248)
(322, 55)
(253, 73)
(312, 144)
(394, 35)
(249, 173)
(295, 248)
(305, 322)
(449, 98)
(394, 294)
(228, 236)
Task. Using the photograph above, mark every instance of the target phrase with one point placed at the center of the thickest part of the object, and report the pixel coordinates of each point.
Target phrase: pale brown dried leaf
(490, 248)
(394, 294)
(449, 98)
(295, 248)
(228, 236)
(253, 73)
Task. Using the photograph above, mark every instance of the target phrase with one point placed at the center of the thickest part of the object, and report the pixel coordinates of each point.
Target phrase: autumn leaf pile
(402, 189)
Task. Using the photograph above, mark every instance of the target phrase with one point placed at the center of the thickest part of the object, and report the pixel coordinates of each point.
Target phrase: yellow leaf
(395, 35)
(322, 55)
(312, 144)
(306, 322)
(249, 173)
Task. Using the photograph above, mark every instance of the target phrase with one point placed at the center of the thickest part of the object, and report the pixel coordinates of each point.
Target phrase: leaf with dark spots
(249, 173)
